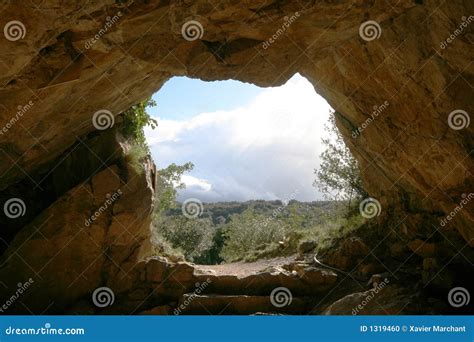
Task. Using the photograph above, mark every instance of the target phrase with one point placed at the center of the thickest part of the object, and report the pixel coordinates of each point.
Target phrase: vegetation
(134, 121)
(338, 176)
(232, 231)
(168, 181)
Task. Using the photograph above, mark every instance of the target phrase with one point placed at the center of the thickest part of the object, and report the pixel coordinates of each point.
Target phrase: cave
(69, 70)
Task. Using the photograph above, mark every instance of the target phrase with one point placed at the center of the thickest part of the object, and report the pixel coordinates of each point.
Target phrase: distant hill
(220, 212)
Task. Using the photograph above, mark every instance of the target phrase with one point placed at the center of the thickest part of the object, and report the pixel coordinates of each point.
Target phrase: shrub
(193, 237)
(134, 121)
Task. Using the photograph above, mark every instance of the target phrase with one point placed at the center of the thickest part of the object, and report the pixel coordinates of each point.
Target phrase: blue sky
(246, 142)
(182, 98)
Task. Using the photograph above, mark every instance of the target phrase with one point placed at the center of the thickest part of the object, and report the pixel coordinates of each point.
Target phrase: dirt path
(242, 269)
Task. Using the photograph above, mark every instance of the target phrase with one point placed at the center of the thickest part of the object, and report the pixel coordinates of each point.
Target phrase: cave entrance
(237, 162)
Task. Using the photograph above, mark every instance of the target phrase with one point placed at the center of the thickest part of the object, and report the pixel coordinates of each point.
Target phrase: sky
(246, 142)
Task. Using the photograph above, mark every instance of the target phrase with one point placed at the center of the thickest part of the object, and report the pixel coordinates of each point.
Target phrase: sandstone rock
(354, 247)
(430, 264)
(390, 300)
(397, 249)
(159, 310)
(156, 269)
(367, 269)
(225, 305)
(349, 253)
(63, 248)
(421, 248)
(106, 184)
(319, 277)
(182, 272)
(377, 279)
(307, 246)
(56, 64)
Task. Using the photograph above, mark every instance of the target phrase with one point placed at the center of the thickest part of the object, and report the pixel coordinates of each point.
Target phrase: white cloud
(266, 150)
(193, 182)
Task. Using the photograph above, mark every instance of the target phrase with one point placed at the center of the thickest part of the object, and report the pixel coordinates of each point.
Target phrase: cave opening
(238, 162)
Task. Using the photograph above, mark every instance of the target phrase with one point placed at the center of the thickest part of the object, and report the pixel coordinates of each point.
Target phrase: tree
(339, 170)
(134, 121)
(168, 181)
(192, 237)
(248, 232)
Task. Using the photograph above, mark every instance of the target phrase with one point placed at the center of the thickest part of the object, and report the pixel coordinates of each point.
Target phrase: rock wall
(396, 93)
(93, 235)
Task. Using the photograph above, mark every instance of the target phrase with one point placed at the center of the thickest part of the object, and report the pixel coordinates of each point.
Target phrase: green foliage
(250, 236)
(192, 237)
(168, 181)
(162, 247)
(231, 231)
(134, 121)
(250, 232)
(339, 170)
(135, 156)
